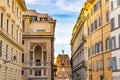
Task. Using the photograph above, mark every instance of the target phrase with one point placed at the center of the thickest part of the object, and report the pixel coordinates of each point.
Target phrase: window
(6, 51)
(7, 25)
(22, 41)
(38, 62)
(12, 4)
(17, 12)
(112, 24)
(22, 72)
(23, 25)
(1, 20)
(112, 5)
(37, 72)
(17, 34)
(119, 40)
(119, 20)
(109, 63)
(88, 30)
(93, 50)
(91, 27)
(12, 30)
(43, 19)
(90, 66)
(99, 21)
(11, 54)
(7, 1)
(107, 43)
(33, 30)
(95, 7)
(98, 4)
(114, 64)
(20, 16)
(97, 65)
(30, 71)
(99, 47)
(0, 48)
(34, 18)
(93, 68)
(101, 64)
(113, 43)
(96, 48)
(22, 57)
(95, 25)
(44, 72)
(118, 2)
(89, 52)
(20, 37)
(107, 16)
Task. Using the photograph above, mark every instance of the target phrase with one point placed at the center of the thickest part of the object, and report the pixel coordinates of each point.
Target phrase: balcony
(36, 64)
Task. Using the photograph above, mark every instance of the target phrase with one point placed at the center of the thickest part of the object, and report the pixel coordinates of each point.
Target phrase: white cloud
(73, 6)
(63, 5)
(31, 1)
(63, 40)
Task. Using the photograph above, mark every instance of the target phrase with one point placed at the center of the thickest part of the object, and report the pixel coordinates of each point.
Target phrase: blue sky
(66, 13)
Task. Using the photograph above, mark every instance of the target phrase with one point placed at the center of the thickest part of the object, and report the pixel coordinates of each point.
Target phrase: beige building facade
(38, 44)
(79, 55)
(11, 39)
(63, 67)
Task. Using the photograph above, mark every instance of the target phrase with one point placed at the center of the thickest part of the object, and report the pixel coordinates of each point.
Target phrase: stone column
(33, 59)
(42, 58)
(33, 72)
(42, 63)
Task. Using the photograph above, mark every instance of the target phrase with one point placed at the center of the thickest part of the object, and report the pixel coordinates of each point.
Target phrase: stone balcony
(37, 65)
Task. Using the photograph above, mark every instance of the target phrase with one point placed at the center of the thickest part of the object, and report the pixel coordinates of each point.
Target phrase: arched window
(38, 55)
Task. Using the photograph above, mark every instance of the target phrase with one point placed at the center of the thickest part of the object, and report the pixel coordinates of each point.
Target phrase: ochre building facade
(95, 14)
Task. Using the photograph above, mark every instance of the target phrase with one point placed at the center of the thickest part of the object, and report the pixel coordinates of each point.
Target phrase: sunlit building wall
(11, 39)
(99, 51)
(38, 44)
